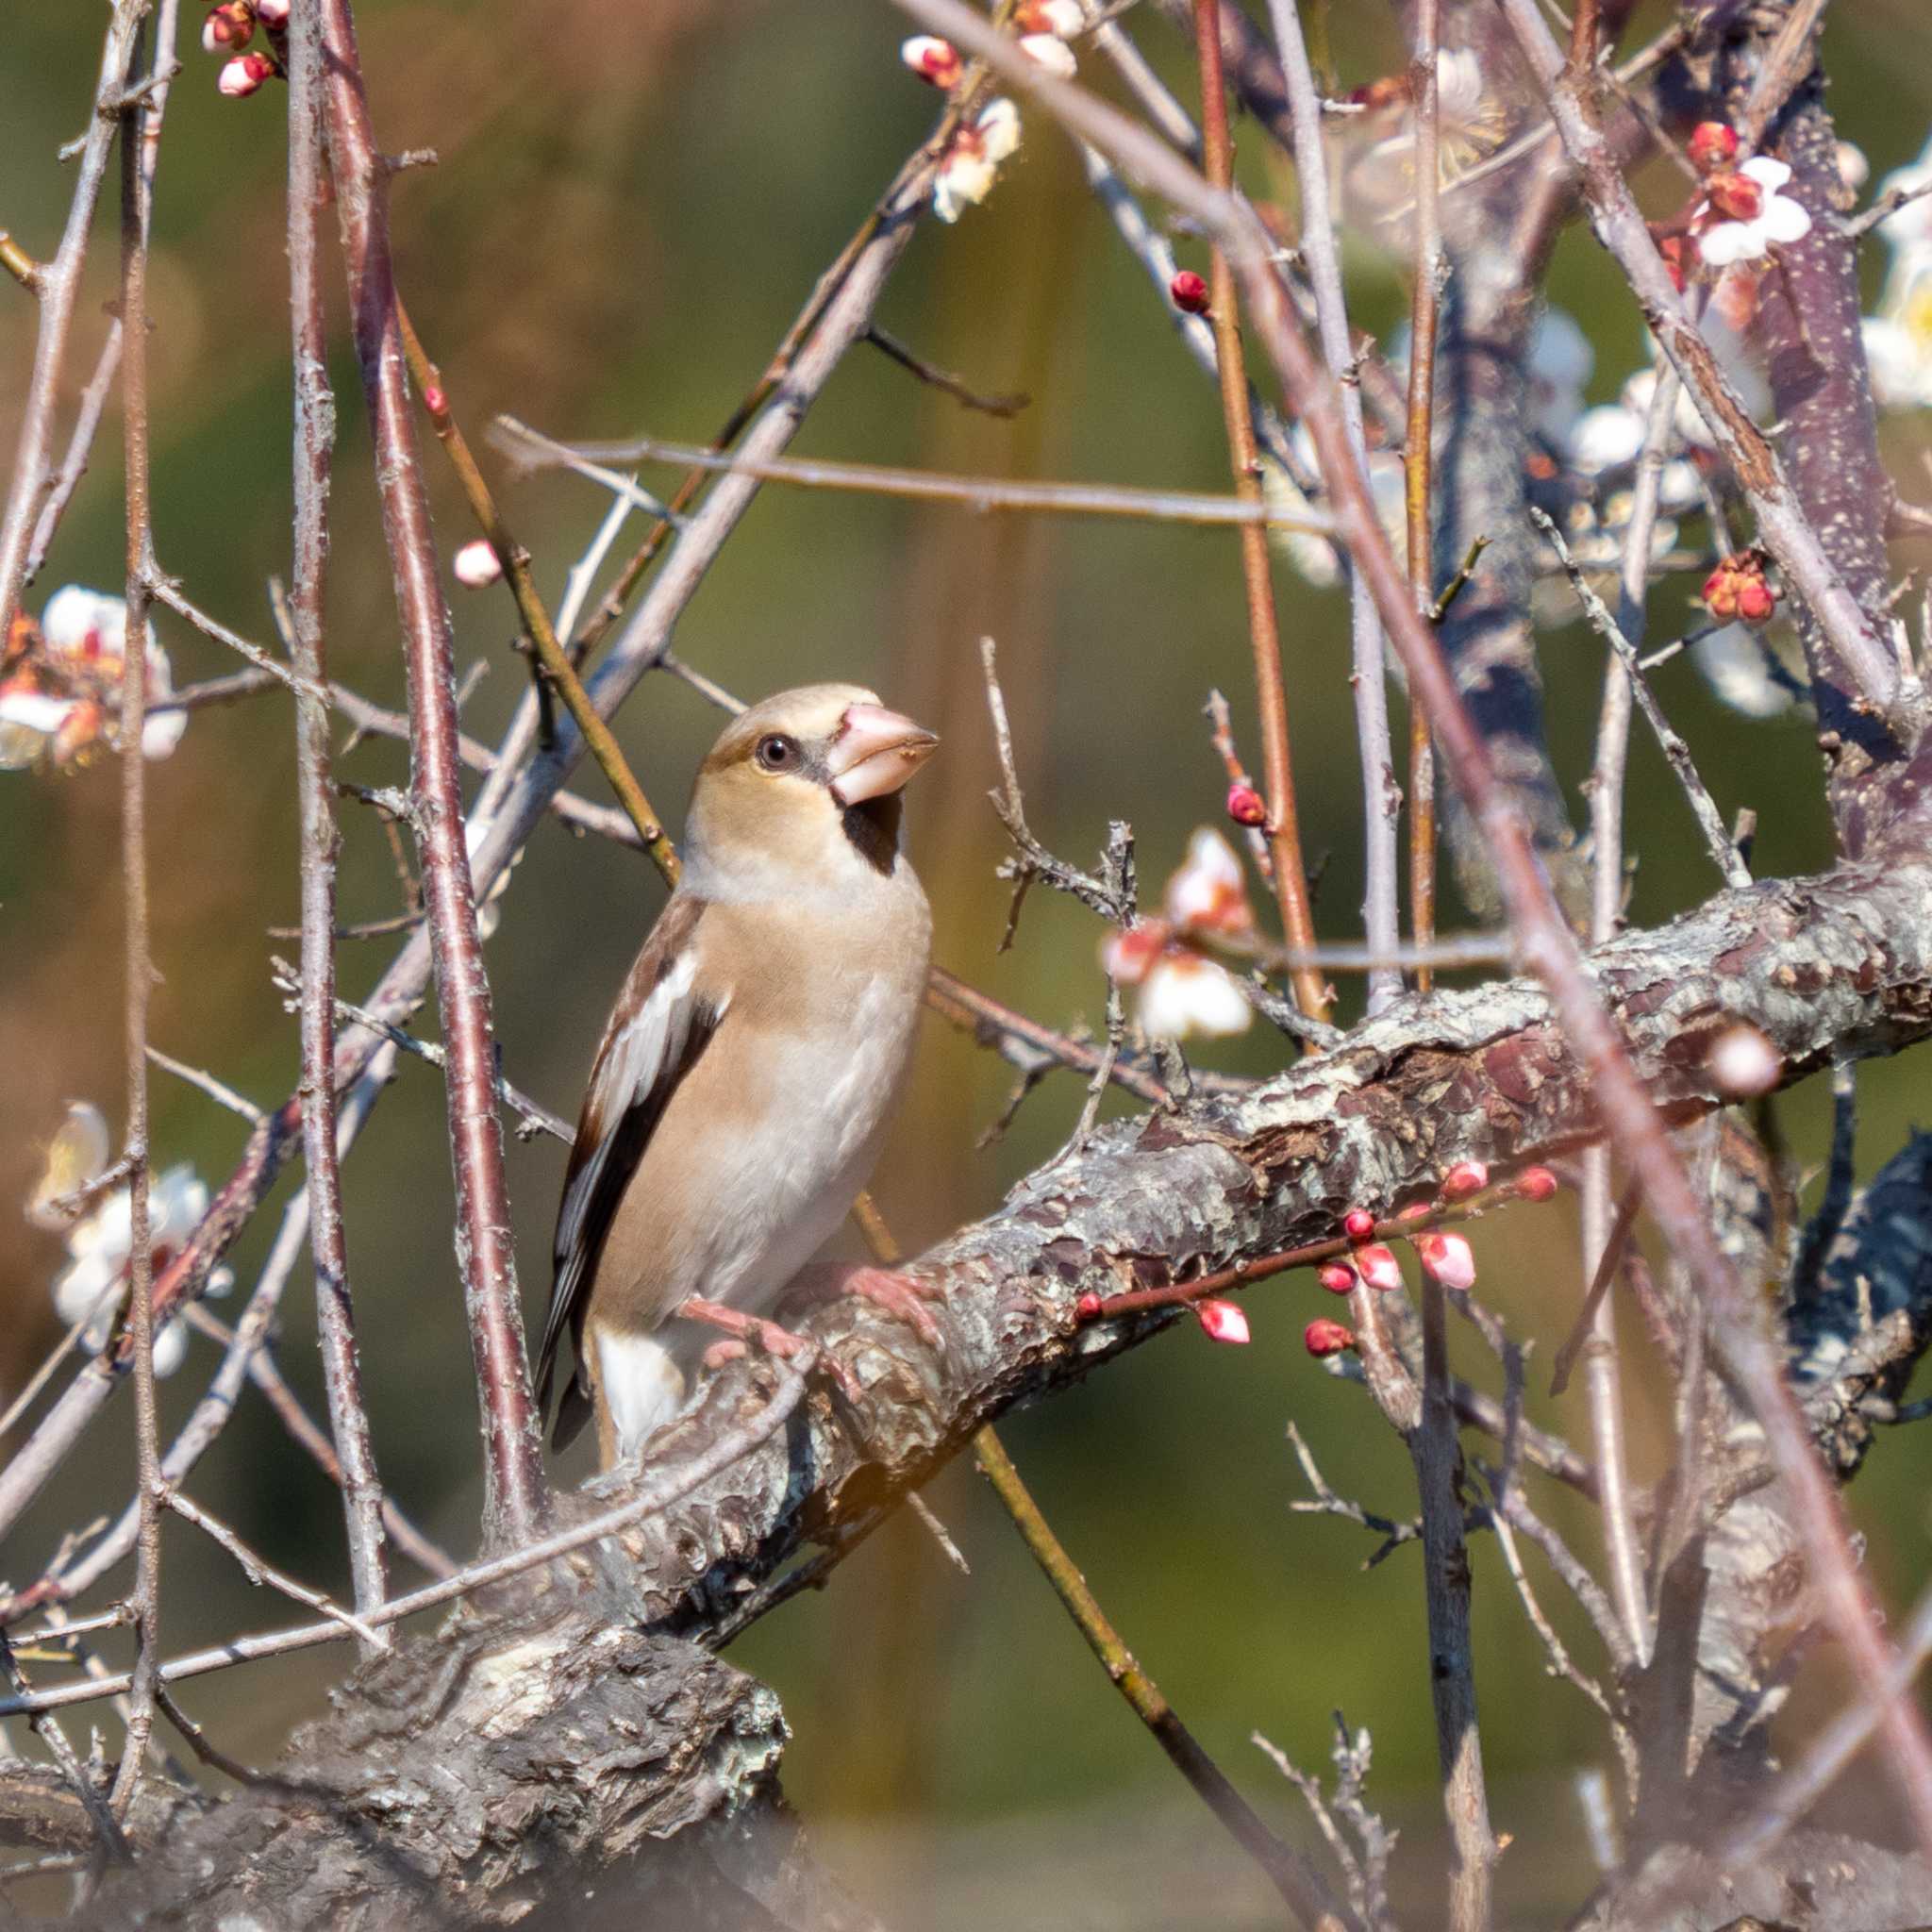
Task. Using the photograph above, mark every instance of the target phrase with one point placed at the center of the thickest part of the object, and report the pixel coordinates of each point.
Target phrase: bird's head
(800, 790)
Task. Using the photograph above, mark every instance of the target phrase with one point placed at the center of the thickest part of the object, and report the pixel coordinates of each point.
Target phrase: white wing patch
(650, 1042)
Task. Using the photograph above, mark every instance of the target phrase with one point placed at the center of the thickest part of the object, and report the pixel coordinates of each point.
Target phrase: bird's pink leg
(900, 1295)
(748, 1330)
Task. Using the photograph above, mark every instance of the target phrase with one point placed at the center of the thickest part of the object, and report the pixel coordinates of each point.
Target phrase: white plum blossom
(1898, 340)
(1605, 438)
(1051, 53)
(1733, 662)
(1185, 994)
(1561, 363)
(1779, 219)
(90, 1290)
(83, 654)
(971, 165)
(1210, 891)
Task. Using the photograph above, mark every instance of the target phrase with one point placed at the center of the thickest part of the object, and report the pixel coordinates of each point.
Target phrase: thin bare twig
(1704, 809)
(263, 1575)
(1303, 1889)
(1290, 879)
(1425, 319)
(1382, 794)
(982, 493)
(315, 416)
(943, 380)
(141, 127)
(59, 290)
(515, 1490)
(668, 1489)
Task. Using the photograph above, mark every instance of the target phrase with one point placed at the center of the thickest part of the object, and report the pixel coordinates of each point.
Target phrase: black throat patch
(872, 826)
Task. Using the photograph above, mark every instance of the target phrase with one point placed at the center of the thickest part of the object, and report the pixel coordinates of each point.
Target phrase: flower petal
(1785, 219)
(1731, 241)
(1770, 175)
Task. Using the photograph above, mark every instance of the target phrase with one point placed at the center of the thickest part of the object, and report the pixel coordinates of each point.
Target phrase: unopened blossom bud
(435, 401)
(1338, 1277)
(273, 14)
(1448, 1257)
(1735, 196)
(1064, 18)
(933, 59)
(1379, 1266)
(1416, 1210)
(228, 29)
(1357, 1224)
(1743, 1063)
(242, 76)
(1465, 1178)
(1088, 1307)
(1188, 292)
(476, 564)
(1323, 1337)
(1245, 806)
(1050, 51)
(1222, 1322)
(1736, 587)
(1536, 1183)
(1712, 145)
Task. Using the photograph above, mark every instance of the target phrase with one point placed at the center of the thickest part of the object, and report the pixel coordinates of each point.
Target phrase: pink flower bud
(1338, 1277)
(1757, 600)
(1712, 145)
(1465, 1178)
(1735, 196)
(435, 401)
(1222, 1322)
(242, 76)
(1323, 1337)
(1416, 1210)
(273, 14)
(1448, 1257)
(1189, 293)
(933, 59)
(228, 29)
(1245, 806)
(1536, 1183)
(1743, 1063)
(476, 564)
(1357, 1224)
(1379, 1266)
(1088, 1307)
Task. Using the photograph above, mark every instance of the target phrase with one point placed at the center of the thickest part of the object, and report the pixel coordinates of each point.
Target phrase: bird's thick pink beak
(874, 752)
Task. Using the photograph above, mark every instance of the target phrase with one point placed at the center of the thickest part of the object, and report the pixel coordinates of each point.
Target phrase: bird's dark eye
(777, 753)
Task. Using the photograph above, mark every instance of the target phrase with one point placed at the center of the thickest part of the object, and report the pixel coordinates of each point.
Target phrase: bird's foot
(744, 1332)
(903, 1296)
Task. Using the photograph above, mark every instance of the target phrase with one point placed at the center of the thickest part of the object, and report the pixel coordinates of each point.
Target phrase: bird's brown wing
(658, 1029)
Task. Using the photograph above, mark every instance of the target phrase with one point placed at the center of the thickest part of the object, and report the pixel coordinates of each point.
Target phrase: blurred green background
(631, 203)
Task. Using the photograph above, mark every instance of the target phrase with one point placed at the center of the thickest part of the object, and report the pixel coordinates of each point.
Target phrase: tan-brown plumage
(746, 1076)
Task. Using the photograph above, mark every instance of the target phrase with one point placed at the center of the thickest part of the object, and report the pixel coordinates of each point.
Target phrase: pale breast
(761, 1152)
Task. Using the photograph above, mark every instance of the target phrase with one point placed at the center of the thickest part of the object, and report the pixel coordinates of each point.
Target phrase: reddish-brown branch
(315, 411)
(1264, 635)
(1425, 316)
(514, 1506)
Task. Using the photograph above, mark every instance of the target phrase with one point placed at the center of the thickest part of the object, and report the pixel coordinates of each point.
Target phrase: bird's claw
(742, 1332)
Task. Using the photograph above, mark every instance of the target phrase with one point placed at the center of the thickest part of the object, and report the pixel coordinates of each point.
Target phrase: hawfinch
(742, 1091)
